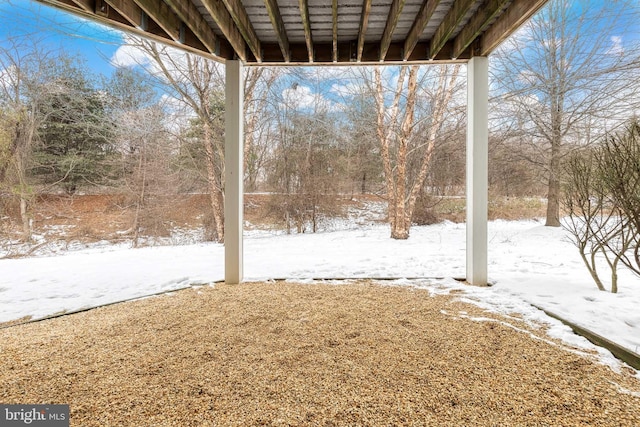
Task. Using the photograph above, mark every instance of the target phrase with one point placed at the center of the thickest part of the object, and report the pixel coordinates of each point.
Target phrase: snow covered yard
(528, 263)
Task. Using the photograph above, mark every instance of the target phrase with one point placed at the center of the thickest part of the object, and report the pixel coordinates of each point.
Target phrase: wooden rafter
(241, 19)
(390, 26)
(306, 23)
(86, 5)
(223, 19)
(419, 24)
(114, 19)
(189, 14)
(334, 14)
(517, 14)
(364, 21)
(161, 13)
(441, 30)
(448, 25)
(478, 23)
(278, 27)
(129, 10)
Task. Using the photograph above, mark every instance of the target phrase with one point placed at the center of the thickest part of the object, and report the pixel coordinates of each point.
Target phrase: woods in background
(153, 129)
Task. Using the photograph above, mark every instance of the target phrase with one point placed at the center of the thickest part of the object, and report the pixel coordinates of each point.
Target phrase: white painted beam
(477, 168)
(233, 173)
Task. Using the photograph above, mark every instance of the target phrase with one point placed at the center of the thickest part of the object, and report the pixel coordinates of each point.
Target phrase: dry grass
(317, 355)
(507, 208)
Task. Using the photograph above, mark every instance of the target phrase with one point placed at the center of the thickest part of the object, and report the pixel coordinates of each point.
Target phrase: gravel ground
(282, 354)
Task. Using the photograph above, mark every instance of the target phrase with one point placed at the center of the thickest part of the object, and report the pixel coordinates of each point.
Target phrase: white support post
(233, 173)
(477, 168)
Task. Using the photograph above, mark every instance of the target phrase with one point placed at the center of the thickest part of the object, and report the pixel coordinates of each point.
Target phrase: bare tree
(396, 128)
(25, 72)
(258, 127)
(197, 83)
(566, 78)
(601, 200)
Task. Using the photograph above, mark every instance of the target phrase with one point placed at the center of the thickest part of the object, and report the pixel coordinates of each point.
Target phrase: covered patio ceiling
(278, 32)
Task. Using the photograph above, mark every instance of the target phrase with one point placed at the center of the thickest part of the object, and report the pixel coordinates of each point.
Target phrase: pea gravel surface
(287, 354)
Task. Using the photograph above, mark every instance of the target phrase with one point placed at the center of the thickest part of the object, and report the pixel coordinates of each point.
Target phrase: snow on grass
(528, 264)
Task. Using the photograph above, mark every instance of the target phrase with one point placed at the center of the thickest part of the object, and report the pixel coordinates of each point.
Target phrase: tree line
(155, 129)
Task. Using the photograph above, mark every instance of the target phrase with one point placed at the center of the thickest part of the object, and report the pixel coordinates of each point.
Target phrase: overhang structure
(330, 32)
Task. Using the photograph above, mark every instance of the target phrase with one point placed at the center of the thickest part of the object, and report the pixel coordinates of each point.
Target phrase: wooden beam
(389, 28)
(478, 23)
(239, 15)
(156, 34)
(419, 24)
(364, 21)
(223, 19)
(516, 14)
(278, 27)
(448, 25)
(189, 14)
(334, 13)
(129, 10)
(304, 14)
(86, 5)
(160, 12)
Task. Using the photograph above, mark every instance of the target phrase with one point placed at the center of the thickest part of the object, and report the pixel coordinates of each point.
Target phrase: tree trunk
(26, 221)
(442, 99)
(553, 193)
(553, 200)
(215, 192)
(385, 134)
(142, 170)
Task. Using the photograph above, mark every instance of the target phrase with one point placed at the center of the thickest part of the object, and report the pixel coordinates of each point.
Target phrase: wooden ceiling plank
(243, 23)
(223, 19)
(190, 15)
(160, 12)
(334, 13)
(419, 24)
(389, 28)
(306, 23)
(364, 21)
(129, 10)
(278, 27)
(448, 25)
(515, 16)
(478, 23)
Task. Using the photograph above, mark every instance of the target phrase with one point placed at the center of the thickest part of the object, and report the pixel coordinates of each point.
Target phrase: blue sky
(55, 29)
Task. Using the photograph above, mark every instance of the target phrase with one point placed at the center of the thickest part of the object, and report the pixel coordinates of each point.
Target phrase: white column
(477, 168)
(233, 174)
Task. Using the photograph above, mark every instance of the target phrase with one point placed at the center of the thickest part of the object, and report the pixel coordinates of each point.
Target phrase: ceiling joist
(364, 21)
(518, 13)
(241, 19)
(162, 14)
(390, 26)
(306, 23)
(314, 31)
(419, 24)
(477, 25)
(334, 32)
(189, 14)
(129, 10)
(278, 27)
(223, 19)
(451, 21)
(86, 5)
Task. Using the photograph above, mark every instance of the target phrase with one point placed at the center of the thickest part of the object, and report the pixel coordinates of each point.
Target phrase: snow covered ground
(528, 263)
